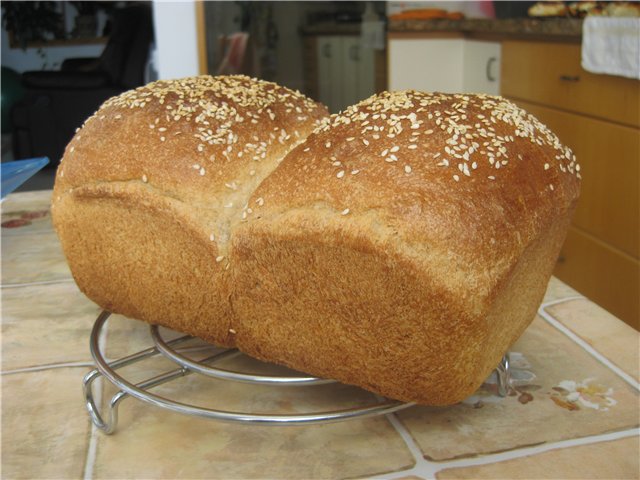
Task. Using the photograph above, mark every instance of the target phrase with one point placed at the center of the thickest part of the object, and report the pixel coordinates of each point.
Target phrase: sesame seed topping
(546, 166)
(456, 178)
(260, 201)
(394, 149)
(202, 171)
(407, 168)
(212, 237)
(232, 331)
(144, 178)
(219, 258)
(355, 172)
(340, 174)
(345, 211)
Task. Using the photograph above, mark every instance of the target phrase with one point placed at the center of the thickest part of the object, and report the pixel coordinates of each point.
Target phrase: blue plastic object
(16, 173)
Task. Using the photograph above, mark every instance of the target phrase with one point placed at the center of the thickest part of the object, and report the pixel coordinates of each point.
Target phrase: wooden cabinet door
(551, 74)
(609, 155)
(605, 275)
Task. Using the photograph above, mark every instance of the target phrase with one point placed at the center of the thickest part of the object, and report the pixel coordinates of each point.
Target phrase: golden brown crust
(414, 214)
(403, 247)
(150, 186)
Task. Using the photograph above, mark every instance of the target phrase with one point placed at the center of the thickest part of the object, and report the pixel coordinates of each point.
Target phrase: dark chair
(58, 102)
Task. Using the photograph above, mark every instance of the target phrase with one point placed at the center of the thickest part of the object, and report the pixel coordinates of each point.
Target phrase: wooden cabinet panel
(609, 155)
(550, 74)
(606, 276)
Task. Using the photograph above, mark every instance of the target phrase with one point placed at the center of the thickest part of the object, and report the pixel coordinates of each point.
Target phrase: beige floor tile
(153, 443)
(44, 425)
(557, 290)
(33, 258)
(45, 324)
(34, 200)
(617, 459)
(558, 385)
(608, 335)
(126, 336)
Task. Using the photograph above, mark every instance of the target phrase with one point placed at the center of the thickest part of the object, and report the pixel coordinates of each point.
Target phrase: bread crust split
(401, 246)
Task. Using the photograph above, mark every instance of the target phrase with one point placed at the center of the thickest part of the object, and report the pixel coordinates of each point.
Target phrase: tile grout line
(428, 468)
(35, 284)
(558, 301)
(51, 366)
(422, 466)
(538, 449)
(92, 449)
(585, 345)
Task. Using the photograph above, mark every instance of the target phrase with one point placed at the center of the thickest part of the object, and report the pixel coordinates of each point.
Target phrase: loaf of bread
(148, 190)
(403, 246)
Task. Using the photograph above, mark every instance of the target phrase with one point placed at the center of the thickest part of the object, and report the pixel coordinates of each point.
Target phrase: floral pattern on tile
(544, 362)
(614, 339)
(45, 324)
(45, 429)
(26, 222)
(33, 258)
(613, 459)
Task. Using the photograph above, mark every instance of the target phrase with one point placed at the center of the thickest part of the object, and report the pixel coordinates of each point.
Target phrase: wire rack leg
(108, 426)
(503, 371)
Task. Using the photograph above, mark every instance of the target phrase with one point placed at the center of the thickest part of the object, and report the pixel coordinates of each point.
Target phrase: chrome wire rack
(107, 420)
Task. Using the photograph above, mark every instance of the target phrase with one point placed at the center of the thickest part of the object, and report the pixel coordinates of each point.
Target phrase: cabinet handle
(326, 50)
(570, 78)
(490, 62)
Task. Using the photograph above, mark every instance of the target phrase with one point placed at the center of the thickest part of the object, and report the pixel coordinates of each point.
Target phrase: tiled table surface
(573, 413)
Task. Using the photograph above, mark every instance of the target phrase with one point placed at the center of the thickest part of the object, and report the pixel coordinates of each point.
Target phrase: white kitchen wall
(176, 38)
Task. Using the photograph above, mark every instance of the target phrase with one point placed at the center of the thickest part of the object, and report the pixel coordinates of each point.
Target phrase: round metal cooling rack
(173, 351)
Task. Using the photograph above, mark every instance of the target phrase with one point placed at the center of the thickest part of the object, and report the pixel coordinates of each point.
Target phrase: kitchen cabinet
(444, 64)
(598, 116)
(345, 71)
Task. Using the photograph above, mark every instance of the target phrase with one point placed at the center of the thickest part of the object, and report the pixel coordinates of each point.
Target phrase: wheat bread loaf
(402, 247)
(148, 188)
